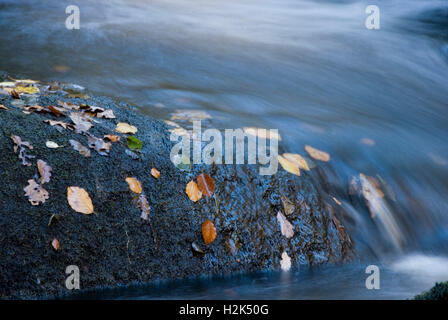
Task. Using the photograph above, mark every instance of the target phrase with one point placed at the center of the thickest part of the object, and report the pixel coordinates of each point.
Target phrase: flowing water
(376, 100)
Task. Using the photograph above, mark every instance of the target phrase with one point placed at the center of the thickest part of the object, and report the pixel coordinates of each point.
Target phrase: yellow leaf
(28, 90)
(125, 128)
(289, 165)
(155, 173)
(79, 200)
(298, 160)
(193, 191)
(317, 154)
(134, 185)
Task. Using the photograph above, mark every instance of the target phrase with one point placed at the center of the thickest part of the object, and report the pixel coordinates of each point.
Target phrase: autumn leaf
(286, 228)
(112, 137)
(35, 193)
(155, 173)
(52, 145)
(36, 107)
(125, 128)
(79, 200)
(80, 148)
(14, 94)
(82, 124)
(55, 244)
(206, 184)
(208, 232)
(18, 143)
(288, 206)
(134, 143)
(58, 112)
(68, 105)
(193, 191)
(91, 109)
(99, 145)
(289, 166)
(2, 107)
(59, 124)
(317, 154)
(134, 185)
(106, 114)
(27, 89)
(285, 263)
(44, 171)
(298, 160)
(143, 204)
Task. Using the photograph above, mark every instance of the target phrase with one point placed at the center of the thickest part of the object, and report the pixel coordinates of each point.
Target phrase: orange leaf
(206, 184)
(155, 173)
(79, 200)
(134, 185)
(2, 107)
(193, 191)
(55, 244)
(112, 137)
(208, 232)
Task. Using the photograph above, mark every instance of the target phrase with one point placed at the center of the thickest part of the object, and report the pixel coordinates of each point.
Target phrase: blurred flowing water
(307, 67)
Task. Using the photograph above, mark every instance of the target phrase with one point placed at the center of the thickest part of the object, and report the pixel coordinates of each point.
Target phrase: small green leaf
(134, 143)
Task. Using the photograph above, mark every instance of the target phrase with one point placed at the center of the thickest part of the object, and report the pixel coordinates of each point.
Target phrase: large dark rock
(114, 245)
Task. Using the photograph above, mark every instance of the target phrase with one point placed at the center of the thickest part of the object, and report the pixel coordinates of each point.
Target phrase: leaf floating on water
(285, 263)
(55, 244)
(125, 128)
(82, 124)
(317, 154)
(289, 166)
(35, 193)
(84, 151)
(337, 201)
(2, 107)
(18, 143)
(134, 185)
(134, 143)
(193, 191)
(206, 184)
(143, 204)
(79, 200)
(372, 185)
(103, 148)
(155, 173)
(368, 142)
(44, 171)
(286, 227)
(208, 232)
(298, 160)
(112, 137)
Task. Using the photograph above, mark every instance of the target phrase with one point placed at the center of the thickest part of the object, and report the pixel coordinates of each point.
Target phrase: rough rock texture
(115, 246)
(438, 292)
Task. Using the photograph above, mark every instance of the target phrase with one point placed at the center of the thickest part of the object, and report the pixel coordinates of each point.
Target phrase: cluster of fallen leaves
(34, 191)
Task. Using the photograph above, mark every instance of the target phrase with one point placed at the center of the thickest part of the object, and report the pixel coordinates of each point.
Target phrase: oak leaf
(84, 151)
(102, 147)
(44, 171)
(82, 124)
(35, 193)
(18, 143)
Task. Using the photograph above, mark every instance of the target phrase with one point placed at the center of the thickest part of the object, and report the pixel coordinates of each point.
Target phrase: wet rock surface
(115, 246)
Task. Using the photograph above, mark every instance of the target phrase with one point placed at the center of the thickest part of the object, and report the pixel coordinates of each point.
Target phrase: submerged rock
(114, 246)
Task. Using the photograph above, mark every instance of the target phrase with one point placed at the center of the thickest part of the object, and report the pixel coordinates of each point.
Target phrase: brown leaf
(35, 193)
(79, 200)
(208, 232)
(2, 107)
(155, 173)
(14, 94)
(36, 107)
(103, 148)
(59, 124)
(91, 109)
(288, 206)
(286, 227)
(82, 124)
(58, 112)
(193, 191)
(18, 143)
(143, 204)
(112, 137)
(317, 154)
(68, 105)
(80, 148)
(134, 185)
(206, 184)
(44, 171)
(55, 244)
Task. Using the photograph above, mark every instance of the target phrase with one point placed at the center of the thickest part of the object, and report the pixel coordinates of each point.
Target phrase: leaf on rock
(2, 107)
(286, 227)
(155, 173)
(134, 185)
(52, 145)
(143, 204)
(193, 191)
(18, 143)
(55, 244)
(68, 105)
(125, 128)
(206, 184)
(317, 154)
(288, 206)
(289, 166)
(134, 143)
(58, 112)
(26, 89)
(79, 200)
(44, 171)
(14, 94)
(82, 124)
(285, 263)
(84, 151)
(36, 107)
(208, 232)
(298, 160)
(91, 109)
(59, 124)
(106, 114)
(99, 145)
(112, 137)
(35, 193)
